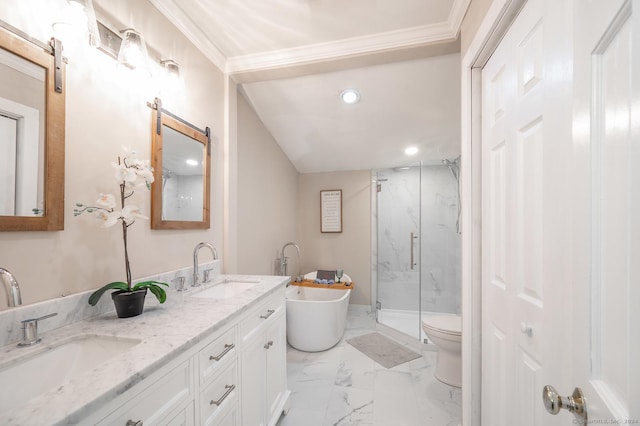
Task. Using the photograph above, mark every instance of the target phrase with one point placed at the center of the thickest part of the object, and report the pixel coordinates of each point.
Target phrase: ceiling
(292, 58)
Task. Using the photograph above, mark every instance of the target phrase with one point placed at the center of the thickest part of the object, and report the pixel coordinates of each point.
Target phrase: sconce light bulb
(79, 23)
(172, 68)
(133, 51)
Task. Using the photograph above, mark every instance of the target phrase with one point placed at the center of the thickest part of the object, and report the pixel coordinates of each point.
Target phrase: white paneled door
(561, 214)
(606, 183)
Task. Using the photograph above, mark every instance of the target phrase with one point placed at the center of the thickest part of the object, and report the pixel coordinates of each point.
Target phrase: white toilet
(445, 331)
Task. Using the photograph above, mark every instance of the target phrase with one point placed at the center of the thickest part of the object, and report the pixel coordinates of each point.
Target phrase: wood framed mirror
(180, 193)
(32, 125)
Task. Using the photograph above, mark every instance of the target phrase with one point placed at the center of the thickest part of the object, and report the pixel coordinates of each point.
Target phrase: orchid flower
(124, 173)
(108, 218)
(130, 212)
(130, 172)
(106, 201)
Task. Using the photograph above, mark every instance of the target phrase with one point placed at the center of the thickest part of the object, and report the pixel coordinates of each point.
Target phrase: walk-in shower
(417, 250)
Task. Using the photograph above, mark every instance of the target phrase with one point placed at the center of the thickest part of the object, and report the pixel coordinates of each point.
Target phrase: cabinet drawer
(217, 354)
(259, 316)
(220, 395)
(154, 404)
(232, 418)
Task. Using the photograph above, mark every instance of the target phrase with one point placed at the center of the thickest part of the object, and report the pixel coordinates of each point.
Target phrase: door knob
(526, 329)
(575, 403)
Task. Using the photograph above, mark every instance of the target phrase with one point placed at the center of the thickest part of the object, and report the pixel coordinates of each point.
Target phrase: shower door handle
(413, 237)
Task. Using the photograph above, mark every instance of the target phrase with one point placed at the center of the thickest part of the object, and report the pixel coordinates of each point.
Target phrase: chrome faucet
(283, 259)
(196, 277)
(13, 292)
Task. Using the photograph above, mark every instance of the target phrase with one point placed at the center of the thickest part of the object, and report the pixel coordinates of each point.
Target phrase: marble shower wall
(402, 206)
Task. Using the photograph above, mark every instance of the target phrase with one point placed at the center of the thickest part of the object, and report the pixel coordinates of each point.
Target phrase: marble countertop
(165, 332)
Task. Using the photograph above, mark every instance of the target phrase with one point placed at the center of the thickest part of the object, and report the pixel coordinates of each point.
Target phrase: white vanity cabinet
(263, 363)
(235, 377)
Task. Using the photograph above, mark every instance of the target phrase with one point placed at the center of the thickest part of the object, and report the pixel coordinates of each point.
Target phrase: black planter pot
(129, 303)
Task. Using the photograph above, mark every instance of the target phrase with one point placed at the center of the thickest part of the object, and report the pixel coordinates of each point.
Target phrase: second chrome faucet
(196, 276)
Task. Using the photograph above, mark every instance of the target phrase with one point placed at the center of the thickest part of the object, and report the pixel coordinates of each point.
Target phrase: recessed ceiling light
(412, 150)
(350, 96)
(192, 162)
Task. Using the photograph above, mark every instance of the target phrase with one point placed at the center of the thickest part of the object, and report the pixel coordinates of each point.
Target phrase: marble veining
(423, 201)
(342, 386)
(166, 331)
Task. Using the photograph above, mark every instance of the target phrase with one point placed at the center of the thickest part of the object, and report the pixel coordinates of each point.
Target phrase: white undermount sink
(42, 371)
(225, 289)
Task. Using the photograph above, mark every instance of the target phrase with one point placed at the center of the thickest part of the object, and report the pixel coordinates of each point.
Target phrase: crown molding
(340, 49)
(413, 37)
(456, 15)
(176, 15)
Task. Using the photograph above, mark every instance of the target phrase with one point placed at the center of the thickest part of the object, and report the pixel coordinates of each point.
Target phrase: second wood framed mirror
(180, 194)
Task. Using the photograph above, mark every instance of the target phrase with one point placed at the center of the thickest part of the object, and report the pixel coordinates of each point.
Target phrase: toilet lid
(450, 324)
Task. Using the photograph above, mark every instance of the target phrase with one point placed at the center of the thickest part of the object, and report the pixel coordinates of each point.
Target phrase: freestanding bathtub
(316, 317)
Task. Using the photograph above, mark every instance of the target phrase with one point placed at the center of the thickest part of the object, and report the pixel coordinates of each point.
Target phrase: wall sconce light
(80, 22)
(86, 7)
(133, 51)
(172, 68)
(130, 50)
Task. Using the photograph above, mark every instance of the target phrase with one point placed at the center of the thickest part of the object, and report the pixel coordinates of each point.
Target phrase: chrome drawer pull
(226, 350)
(134, 423)
(229, 389)
(269, 344)
(269, 313)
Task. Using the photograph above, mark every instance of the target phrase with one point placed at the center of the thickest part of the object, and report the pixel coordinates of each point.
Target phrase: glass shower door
(398, 248)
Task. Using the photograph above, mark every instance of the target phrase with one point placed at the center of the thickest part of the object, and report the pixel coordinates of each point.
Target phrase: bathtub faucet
(283, 259)
(210, 246)
(13, 292)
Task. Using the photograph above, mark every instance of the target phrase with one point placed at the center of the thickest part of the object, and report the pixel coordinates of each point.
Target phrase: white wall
(349, 250)
(105, 110)
(267, 197)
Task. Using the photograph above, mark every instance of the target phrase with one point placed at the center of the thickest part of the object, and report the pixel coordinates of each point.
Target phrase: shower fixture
(378, 183)
(454, 167)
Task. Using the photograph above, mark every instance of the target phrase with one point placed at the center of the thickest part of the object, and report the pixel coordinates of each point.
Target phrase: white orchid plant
(131, 173)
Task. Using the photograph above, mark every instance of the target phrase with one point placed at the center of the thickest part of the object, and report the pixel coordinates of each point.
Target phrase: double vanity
(214, 355)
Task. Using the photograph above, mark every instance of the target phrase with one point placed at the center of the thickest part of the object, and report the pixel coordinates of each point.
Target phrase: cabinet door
(253, 382)
(276, 368)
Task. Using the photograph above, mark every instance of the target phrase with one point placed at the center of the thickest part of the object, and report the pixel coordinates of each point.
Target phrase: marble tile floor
(343, 387)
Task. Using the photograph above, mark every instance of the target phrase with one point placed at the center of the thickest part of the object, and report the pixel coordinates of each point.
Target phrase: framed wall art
(331, 211)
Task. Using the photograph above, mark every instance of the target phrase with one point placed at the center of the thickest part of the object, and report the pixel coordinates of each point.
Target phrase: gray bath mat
(383, 350)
